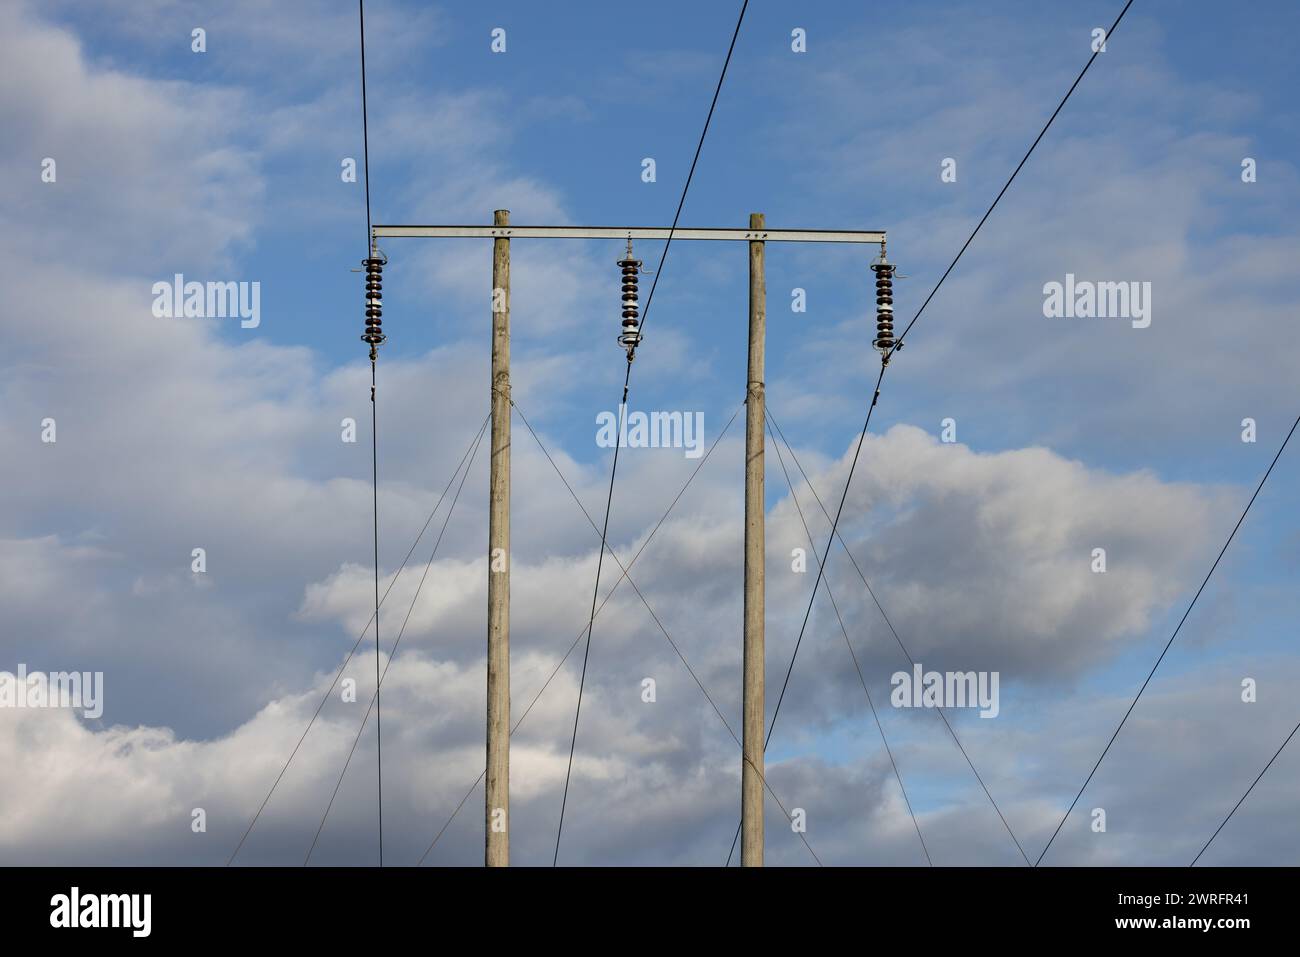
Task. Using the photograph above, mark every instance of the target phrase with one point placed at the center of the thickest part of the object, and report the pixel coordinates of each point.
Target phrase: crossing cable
(614, 555)
(649, 538)
(700, 684)
(374, 698)
(898, 344)
(355, 646)
(890, 624)
(1244, 796)
(1170, 642)
(849, 644)
(613, 471)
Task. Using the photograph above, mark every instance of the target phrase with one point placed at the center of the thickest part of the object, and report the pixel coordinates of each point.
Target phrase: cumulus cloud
(987, 558)
(173, 436)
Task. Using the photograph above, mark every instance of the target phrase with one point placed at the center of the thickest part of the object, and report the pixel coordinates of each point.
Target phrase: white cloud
(172, 437)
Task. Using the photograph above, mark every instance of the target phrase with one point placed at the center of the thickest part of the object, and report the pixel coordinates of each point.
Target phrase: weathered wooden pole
(751, 788)
(497, 791)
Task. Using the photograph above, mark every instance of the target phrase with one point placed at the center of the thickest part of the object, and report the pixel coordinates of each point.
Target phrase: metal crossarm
(864, 236)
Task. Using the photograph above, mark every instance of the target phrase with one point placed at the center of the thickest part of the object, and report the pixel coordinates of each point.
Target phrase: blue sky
(1072, 434)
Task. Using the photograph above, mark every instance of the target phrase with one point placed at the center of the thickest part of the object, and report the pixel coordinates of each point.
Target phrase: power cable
(1169, 643)
(1244, 796)
(328, 691)
(374, 698)
(849, 644)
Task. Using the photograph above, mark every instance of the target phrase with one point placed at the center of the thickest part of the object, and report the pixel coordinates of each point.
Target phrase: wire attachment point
(630, 337)
(374, 334)
(884, 270)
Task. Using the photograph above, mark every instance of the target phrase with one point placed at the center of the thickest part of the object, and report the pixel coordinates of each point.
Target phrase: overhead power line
(1168, 644)
(613, 471)
(794, 498)
(894, 631)
(1011, 179)
(357, 644)
(374, 337)
(1244, 796)
(374, 698)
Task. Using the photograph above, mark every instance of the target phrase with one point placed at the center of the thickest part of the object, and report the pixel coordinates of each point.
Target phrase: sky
(1071, 434)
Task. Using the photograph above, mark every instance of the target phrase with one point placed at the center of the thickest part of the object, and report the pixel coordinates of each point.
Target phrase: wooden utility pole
(497, 791)
(751, 787)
